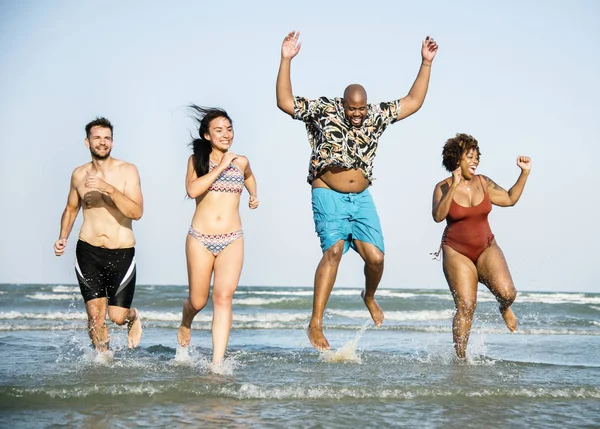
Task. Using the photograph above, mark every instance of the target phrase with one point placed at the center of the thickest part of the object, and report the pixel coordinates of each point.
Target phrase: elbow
(437, 218)
(137, 215)
(510, 202)
(191, 193)
(286, 106)
(283, 108)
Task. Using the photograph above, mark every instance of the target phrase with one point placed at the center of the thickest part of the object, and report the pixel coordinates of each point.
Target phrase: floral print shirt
(334, 141)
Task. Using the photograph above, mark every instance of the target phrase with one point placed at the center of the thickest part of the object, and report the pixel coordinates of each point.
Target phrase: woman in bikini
(215, 244)
(469, 249)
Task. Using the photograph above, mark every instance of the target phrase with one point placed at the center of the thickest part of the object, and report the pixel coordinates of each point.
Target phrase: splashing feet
(316, 337)
(184, 336)
(374, 309)
(134, 331)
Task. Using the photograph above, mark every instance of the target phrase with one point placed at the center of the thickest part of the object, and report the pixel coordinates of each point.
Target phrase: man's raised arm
(416, 96)
(289, 49)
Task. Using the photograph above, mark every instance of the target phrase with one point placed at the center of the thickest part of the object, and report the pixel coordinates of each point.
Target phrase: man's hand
(290, 46)
(429, 49)
(524, 163)
(253, 202)
(59, 246)
(94, 182)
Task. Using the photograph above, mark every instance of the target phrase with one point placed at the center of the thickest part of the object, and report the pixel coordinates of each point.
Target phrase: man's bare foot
(374, 309)
(510, 319)
(184, 336)
(317, 339)
(134, 331)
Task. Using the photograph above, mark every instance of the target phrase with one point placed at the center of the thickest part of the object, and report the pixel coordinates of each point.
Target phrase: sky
(519, 76)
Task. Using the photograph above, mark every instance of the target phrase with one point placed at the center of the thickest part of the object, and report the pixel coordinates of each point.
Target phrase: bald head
(355, 104)
(355, 92)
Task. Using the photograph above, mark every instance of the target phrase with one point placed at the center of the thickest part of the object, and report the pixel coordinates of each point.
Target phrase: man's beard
(96, 156)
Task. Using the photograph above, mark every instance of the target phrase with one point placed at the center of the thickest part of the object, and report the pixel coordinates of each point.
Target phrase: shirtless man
(109, 191)
(343, 135)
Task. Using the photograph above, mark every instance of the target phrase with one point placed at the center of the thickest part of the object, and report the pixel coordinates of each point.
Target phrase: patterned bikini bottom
(215, 243)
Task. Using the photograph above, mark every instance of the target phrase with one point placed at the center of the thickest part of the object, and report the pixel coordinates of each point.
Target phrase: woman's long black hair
(201, 146)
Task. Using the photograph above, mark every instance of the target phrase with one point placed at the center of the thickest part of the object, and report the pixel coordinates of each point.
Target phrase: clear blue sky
(521, 76)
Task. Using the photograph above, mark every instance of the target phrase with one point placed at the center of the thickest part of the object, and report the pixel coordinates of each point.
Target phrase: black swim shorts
(106, 273)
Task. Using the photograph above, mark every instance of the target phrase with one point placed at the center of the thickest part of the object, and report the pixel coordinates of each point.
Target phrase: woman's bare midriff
(218, 213)
(341, 180)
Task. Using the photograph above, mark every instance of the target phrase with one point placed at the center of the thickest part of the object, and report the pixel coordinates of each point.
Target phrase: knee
(375, 260)
(508, 298)
(333, 255)
(119, 316)
(466, 308)
(222, 299)
(95, 320)
(197, 303)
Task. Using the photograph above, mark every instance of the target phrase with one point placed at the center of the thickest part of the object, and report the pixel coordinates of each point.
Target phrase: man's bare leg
(131, 317)
(373, 258)
(324, 281)
(97, 329)
(134, 328)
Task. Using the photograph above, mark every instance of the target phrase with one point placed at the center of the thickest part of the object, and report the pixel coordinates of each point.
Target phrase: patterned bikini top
(230, 180)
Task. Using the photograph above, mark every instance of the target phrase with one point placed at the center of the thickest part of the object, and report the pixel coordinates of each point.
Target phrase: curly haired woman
(469, 249)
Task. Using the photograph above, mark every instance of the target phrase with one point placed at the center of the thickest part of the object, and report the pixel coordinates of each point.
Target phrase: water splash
(346, 353)
(92, 356)
(182, 356)
(224, 366)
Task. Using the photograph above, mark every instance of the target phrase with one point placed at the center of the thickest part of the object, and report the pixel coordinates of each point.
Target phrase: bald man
(343, 135)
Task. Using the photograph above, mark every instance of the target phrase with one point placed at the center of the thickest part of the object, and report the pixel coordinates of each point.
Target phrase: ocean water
(403, 374)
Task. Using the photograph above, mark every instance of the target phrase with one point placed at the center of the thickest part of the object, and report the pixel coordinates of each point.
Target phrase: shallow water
(403, 374)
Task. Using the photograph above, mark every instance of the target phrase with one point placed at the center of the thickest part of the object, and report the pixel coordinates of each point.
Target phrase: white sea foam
(164, 316)
(271, 317)
(400, 316)
(262, 301)
(55, 315)
(34, 327)
(53, 296)
(253, 391)
(66, 289)
(275, 293)
(558, 298)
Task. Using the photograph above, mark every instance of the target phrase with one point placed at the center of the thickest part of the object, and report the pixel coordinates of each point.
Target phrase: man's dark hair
(455, 148)
(98, 122)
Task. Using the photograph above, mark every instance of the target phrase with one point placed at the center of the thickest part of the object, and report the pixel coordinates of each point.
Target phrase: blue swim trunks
(340, 216)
